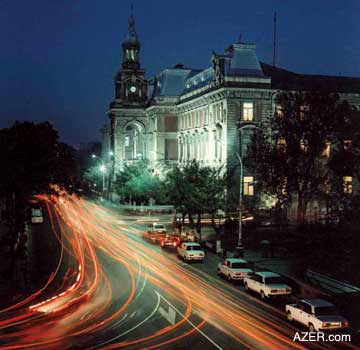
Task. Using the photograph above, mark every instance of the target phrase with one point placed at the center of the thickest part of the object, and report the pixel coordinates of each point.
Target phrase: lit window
(303, 110)
(279, 111)
(327, 149)
(248, 111)
(281, 144)
(347, 181)
(248, 185)
(304, 145)
(127, 141)
(347, 144)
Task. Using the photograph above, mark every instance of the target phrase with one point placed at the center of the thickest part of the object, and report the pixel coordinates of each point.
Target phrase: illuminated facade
(208, 115)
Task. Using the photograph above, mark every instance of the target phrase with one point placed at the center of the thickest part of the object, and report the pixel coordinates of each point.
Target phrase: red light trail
(111, 274)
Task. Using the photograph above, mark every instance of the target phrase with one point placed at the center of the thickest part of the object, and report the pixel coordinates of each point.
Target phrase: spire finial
(132, 33)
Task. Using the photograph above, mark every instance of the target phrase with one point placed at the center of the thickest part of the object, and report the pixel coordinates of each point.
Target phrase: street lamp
(102, 169)
(240, 246)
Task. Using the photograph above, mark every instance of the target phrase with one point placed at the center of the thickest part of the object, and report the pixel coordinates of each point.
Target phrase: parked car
(267, 284)
(189, 251)
(316, 314)
(234, 269)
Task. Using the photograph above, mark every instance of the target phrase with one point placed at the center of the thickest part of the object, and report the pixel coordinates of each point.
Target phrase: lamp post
(102, 169)
(240, 246)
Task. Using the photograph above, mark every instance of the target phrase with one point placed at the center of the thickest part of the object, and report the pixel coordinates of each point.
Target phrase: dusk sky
(59, 57)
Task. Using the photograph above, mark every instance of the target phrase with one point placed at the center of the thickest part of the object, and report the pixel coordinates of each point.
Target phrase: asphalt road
(110, 289)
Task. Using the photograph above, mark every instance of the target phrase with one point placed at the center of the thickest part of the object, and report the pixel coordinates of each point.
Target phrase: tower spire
(132, 32)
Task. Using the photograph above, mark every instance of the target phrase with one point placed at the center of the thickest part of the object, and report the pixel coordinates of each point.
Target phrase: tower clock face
(133, 89)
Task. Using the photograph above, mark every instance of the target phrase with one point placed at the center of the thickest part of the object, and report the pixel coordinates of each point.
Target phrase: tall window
(279, 111)
(303, 110)
(304, 145)
(248, 111)
(281, 144)
(327, 149)
(248, 185)
(347, 144)
(347, 181)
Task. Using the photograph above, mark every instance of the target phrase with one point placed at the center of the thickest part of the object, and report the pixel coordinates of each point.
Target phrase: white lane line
(120, 321)
(188, 321)
(133, 314)
(131, 329)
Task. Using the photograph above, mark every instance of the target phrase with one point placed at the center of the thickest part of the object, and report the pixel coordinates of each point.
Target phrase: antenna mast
(274, 45)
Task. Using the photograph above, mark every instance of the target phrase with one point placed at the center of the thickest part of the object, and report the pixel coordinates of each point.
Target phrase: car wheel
(262, 295)
(218, 272)
(229, 278)
(246, 286)
(311, 327)
(289, 316)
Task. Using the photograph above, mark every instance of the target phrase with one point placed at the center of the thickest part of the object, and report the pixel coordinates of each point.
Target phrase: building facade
(208, 115)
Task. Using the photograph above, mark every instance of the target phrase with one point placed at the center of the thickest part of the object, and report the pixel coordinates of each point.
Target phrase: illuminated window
(248, 111)
(303, 110)
(327, 149)
(279, 112)
(347, 144)
(248, 185)
(127, 141)
(347, 181)
(304, 145)
(284, 187)
(327, 185)
(281, 144)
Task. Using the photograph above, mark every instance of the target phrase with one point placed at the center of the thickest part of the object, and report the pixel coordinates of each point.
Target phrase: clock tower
(130, 83)
(129, 129)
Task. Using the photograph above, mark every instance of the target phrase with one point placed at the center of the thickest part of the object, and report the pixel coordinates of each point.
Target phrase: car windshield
(240, 265)
(325, 311)
(193, 247)
(273, 280)
(36, 213)
(157, 227)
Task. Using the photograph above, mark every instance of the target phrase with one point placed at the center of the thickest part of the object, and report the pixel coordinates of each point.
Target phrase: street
(111, 290)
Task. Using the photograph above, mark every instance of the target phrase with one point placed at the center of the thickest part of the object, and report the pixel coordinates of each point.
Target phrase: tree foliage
(196, 190)
(288, 152)
(138, 182)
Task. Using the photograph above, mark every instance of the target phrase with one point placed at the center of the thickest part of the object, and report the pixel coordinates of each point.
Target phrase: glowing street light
(102, 169)
(240, 246)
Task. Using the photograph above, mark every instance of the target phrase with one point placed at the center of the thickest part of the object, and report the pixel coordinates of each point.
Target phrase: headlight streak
(83, 302)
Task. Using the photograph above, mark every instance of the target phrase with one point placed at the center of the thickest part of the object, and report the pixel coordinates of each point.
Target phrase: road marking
(188, 321)
(169, 315)
(120, 321)
(130, 329)
(133, 314)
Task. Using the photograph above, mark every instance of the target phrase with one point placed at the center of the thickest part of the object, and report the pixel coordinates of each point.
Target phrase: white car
(36, 216)
(267, 284)
(234, 269)
(189, 251)
(316, 314)
(158, 228)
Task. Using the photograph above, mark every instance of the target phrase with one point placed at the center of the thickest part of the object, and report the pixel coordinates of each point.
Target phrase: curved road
(115, 291)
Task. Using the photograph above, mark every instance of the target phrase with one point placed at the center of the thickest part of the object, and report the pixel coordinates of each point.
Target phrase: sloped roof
(242, 61)
(171, 81)
(287, 80)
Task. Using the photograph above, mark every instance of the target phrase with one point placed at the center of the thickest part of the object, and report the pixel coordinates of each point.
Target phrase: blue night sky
(58, 58)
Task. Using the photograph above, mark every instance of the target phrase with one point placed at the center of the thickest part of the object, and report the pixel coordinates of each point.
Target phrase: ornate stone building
(207, 115)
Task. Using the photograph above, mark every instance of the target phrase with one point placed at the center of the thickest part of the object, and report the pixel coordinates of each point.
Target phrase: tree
(196, 190)
(32, 160)
(138, 182)
(289, 152)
